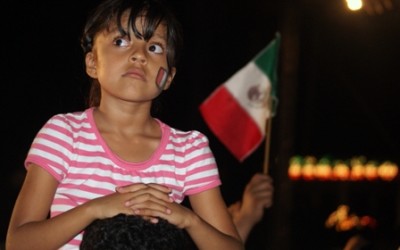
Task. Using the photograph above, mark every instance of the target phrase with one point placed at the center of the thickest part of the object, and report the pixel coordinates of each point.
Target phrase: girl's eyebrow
(113, 28)
(159, 36)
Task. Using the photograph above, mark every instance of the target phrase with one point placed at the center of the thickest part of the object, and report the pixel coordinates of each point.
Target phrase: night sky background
(338, 96)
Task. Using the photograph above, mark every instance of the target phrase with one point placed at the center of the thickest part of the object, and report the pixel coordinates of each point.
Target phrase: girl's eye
(156, 48)
(121, 42)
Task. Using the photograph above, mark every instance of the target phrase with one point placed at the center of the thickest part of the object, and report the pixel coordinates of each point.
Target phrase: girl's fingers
(145, 198)
(140, 189)
(147, 204)
(130, 188)
(151, 210)
(151, 213)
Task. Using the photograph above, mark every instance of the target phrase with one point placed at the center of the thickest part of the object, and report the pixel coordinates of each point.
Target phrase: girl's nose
(139, 56)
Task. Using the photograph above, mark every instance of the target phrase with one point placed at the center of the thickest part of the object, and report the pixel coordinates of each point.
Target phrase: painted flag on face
(237, 111)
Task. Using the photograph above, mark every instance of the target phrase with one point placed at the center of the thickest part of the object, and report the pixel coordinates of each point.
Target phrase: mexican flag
(237, 111)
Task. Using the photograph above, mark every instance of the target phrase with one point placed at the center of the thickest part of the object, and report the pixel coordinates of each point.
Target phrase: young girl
(114, 157)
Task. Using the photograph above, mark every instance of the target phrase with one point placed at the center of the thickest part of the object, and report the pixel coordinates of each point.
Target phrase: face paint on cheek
(161, 78)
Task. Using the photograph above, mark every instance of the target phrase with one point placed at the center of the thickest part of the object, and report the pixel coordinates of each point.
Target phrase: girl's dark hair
(155, 12)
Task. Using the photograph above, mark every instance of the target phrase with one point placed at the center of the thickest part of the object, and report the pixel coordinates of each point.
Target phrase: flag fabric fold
(237, 110)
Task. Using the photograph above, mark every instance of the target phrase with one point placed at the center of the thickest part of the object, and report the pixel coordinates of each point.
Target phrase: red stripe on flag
(231, 124)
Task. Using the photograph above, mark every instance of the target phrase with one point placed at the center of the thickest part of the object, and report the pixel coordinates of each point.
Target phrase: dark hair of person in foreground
(130, 232)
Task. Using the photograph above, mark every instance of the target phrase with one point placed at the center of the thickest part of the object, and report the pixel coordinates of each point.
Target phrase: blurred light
(342, 220)
(354, 5)
(371, 7)
(309, 168)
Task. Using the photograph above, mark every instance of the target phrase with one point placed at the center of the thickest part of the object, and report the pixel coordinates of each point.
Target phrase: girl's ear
(170, 77)
(90, 65)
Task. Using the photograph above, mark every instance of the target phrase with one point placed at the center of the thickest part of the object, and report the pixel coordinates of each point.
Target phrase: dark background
(338, 95)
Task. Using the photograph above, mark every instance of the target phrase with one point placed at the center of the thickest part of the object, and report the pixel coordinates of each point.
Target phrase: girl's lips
(135, 73)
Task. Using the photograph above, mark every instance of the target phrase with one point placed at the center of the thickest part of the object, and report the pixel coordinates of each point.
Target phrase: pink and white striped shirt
(70, 147)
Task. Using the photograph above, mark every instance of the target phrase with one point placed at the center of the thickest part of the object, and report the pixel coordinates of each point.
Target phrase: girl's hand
(180, 215)
(148, 200)
(109, 205)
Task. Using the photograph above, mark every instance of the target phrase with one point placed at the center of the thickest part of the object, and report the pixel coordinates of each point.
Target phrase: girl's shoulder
(183, 136)
(75, 115)
(71, 119)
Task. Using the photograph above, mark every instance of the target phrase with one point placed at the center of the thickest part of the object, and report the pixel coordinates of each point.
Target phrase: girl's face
(127, 67)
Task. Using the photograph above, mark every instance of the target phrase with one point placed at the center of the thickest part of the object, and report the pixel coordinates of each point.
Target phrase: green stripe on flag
(267, 61)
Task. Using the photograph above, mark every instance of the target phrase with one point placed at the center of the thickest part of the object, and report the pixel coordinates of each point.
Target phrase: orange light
(294, 171)
(387, 171)
(341, 171)
(371, 171)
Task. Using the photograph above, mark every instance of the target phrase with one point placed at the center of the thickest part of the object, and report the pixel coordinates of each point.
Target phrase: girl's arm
(30, 227)
(213, 227)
